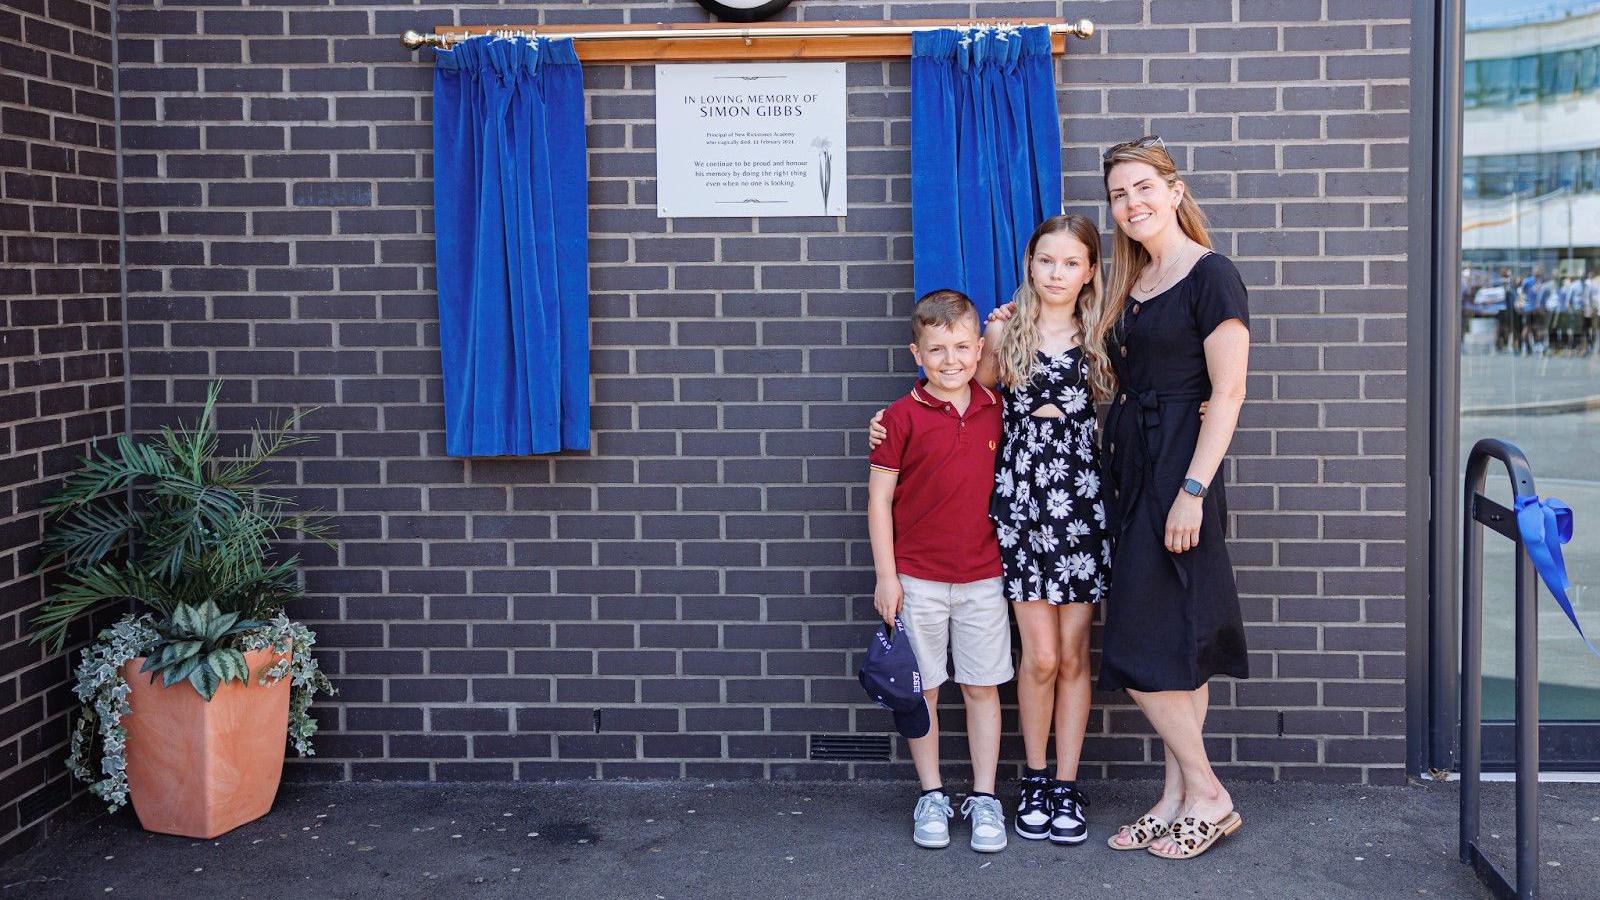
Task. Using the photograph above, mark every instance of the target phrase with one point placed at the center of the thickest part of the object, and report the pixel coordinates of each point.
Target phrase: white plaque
(747, 139)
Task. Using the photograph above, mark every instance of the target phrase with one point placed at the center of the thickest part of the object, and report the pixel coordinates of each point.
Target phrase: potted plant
(186, 699)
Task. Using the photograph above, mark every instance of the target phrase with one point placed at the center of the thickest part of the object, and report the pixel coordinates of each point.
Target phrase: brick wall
(688, 598)
(61, 353)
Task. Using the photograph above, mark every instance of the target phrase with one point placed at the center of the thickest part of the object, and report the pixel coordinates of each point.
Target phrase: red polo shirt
(945, 460)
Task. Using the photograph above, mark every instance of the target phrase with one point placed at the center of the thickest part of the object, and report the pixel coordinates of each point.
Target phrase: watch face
(744, 10)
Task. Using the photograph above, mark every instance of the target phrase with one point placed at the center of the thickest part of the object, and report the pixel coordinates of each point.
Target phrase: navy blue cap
(890, 675)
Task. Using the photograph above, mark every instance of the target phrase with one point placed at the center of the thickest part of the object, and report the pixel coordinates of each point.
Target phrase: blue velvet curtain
(510, 229)
(985, 156)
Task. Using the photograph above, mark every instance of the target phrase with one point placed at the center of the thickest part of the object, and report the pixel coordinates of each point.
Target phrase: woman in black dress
(1177, 335)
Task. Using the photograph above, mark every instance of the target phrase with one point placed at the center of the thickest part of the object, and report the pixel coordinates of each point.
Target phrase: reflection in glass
(1530, 305)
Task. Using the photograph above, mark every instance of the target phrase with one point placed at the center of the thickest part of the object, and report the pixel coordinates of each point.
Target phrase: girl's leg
(925, 749)
(1072, 687)
(1036, 676)
(983, 733)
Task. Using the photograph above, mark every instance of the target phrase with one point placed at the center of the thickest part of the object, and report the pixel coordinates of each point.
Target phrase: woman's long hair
(1128, 256)
(1020, 342)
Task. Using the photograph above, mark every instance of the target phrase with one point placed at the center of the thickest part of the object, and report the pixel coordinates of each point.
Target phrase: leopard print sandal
(1194, 836)
(1143, 833)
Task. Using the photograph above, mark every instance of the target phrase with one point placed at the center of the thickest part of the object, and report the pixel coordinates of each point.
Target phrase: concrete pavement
(782, 840)
(1502, 383)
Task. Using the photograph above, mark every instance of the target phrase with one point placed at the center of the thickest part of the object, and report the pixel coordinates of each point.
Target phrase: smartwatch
(1193, 488)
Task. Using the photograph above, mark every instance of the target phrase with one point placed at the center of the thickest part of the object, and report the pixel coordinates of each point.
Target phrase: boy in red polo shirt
(937, 560)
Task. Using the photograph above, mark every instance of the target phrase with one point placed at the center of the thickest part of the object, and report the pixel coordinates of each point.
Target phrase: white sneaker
(1067, 824)
(988, 823)
(1033, 808)
(931, 820)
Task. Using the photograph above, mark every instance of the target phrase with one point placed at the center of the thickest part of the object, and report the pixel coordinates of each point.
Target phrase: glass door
(1529, 355)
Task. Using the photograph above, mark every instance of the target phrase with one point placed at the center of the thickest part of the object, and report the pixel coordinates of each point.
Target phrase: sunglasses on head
(1144, 143)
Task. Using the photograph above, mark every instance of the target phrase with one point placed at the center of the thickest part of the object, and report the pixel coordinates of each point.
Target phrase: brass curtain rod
(413, 40)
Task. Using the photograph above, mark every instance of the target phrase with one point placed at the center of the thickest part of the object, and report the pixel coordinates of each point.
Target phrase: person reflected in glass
(1591, 313)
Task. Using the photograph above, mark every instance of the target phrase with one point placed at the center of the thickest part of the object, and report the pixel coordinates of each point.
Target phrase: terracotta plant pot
(200, 769)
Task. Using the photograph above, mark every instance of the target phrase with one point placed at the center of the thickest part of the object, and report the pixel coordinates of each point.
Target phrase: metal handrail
(1480, 510)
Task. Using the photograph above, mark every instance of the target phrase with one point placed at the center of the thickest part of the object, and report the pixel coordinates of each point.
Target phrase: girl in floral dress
(1047, 508)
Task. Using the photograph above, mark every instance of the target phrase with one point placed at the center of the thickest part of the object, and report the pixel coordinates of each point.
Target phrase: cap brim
(914, 723)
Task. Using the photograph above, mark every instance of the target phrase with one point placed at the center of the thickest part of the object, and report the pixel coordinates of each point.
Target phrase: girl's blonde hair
(1128, 256)
(1020, 342)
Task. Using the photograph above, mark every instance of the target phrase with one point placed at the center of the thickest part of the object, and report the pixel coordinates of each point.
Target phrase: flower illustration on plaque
(824, 150)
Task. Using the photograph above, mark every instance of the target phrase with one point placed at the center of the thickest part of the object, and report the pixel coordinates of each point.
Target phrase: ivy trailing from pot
(190, 538)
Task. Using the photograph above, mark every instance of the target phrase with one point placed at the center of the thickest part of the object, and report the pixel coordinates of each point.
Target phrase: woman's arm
(1227, 361)
(989, 363)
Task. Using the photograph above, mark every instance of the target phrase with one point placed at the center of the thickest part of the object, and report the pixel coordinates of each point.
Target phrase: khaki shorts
(970, 622)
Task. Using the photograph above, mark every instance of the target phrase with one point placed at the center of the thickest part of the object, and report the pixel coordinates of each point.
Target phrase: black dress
(1172, 619)
(1047, 507)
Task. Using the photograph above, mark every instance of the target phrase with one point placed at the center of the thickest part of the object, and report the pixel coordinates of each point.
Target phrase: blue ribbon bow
(1546, 525)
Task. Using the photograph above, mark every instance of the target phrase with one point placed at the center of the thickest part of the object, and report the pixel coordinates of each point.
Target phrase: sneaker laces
(928, 803)
(984, 811)
(1069, 800)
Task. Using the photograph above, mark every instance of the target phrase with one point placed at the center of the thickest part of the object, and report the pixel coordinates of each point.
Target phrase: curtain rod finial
(415, 40)
(1083, 28)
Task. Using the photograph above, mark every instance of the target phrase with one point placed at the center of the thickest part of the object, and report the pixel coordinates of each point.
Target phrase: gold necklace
(1161, 275)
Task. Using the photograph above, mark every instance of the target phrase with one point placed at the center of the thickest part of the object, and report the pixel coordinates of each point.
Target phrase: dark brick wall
(61, 353)
(688, 598)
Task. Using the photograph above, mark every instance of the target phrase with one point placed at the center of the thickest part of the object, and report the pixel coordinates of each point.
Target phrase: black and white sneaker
(1067, 825)
(1033, 807)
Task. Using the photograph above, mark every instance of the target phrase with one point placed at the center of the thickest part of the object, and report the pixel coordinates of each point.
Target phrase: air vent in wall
(853, 747)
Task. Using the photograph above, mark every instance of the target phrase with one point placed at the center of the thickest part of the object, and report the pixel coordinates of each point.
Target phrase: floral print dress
(1047, 508)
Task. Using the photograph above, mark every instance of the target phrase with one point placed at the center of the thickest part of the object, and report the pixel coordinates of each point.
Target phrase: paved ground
(782, 840)
(1503, 382)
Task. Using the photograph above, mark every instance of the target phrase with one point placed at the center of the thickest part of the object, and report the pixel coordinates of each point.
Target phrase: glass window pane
(1566, 72)
(1527, 79)
(1567, 171)
(1588, 69)
(1496, 81)
(1525, 174)
(1547, 74)
(1495, 176)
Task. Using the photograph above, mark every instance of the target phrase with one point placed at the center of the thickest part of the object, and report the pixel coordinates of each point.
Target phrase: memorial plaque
(747, 139)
